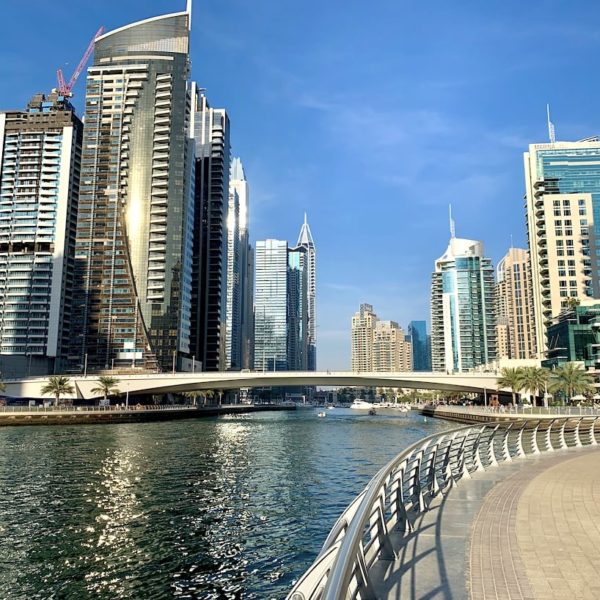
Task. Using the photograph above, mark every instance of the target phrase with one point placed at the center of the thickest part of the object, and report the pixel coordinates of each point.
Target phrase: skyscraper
(40, 159)
(392, 349)
(270, 306)
(515, 331)
(239, 272)
(363, 327)
(297, 311)
(305, 240)
(562, 182)
(134, 227)
(417, 331)
(210, 129)
(462, 308)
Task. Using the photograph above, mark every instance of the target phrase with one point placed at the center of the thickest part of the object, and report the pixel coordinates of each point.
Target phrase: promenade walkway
(527, 529)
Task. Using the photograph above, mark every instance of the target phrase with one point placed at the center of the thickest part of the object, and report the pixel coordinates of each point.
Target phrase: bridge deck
(527, 529)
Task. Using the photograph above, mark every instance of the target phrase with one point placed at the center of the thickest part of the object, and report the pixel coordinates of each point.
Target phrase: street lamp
(85, 366)
(174, 359)
(193, 364)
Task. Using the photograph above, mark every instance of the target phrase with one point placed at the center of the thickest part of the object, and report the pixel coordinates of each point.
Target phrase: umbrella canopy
(578, 397)
(596, 396)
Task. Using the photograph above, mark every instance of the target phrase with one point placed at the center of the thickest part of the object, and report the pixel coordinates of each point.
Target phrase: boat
(360, 404)
(322, 414)
(330, 407)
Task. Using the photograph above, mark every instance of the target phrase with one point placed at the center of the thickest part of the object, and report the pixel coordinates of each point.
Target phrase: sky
(371, 117)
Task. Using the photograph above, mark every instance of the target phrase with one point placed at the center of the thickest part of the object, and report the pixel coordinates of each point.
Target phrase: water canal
(229, 507)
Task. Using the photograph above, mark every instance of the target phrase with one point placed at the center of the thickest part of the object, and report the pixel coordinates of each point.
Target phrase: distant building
(363, 329)
(562, 182)
(575, 337)
(463, 323)
(417, 331)
(298, 308)
(210, 127)
(305, 240)
(392, 349)
(40, 160)
(515, 328)
(239, 338)
(271, 306)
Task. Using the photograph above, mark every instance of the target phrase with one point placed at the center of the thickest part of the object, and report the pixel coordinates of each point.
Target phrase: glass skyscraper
(421, 356)
(305, 240)
(462, 308)
(270, 306)
(134, 227)
(298, 306)
(210, 128)
(40, 159)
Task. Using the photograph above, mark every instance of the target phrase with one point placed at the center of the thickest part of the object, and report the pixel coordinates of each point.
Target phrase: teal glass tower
(135, 221)
(462, 308)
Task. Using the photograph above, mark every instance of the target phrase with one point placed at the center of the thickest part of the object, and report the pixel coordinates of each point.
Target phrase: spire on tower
(305, 238)
(188, 10)
(452, 225)
(551, 131)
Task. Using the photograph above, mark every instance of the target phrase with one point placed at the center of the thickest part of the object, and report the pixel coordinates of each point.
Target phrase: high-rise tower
(210, 128)
(363, 331)
(462, 308)
(562, 182)
(239, 272)
(515, 329)
(134, 228)
(40, 159)
(305, 240)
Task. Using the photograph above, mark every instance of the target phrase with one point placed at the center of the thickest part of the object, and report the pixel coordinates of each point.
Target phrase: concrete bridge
(162, 383)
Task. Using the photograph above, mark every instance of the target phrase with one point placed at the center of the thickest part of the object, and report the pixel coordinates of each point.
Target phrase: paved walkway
(525, 530)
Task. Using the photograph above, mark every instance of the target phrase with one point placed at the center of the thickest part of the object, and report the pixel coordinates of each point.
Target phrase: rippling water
(234, 507)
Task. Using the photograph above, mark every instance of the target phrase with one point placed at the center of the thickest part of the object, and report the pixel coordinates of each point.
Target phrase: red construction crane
(66, 88)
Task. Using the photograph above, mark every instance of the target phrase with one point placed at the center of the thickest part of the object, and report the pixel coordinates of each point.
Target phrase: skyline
(373, 163)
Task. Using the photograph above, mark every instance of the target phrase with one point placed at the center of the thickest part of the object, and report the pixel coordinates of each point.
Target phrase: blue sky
(372, 117)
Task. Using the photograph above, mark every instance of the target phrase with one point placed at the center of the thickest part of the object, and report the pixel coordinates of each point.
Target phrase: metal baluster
(534, 445)
(520, 451)
(577, 438)
(561, 436)
(362, 576)
(548, 437)
(506, 457)
(476, 446)
(593, 440)
(492, 451)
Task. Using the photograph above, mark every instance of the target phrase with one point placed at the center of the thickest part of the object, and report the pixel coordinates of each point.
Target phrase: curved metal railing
(378, 522)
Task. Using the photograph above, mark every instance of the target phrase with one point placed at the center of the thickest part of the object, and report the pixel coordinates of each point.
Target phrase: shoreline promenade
(500, 509)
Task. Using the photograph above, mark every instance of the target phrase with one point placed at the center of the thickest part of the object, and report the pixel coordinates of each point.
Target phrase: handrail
(403, 489)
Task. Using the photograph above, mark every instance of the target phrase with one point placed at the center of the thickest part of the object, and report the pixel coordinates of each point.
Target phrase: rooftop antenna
(188, 10)
(511, 241)
(452, 226)
(551, 131)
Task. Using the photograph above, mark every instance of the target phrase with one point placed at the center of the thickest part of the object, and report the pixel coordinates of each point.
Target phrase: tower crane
(67, 88)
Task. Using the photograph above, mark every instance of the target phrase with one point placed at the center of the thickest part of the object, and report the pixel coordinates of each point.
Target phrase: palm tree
(571, 379)
(533, 379)
(511, 378)
(107, 386)
(58, 385)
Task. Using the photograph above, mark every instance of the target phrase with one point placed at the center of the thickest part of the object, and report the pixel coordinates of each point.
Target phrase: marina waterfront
(229, 507)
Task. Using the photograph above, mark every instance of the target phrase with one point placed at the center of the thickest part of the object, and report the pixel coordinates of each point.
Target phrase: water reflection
(234, 507)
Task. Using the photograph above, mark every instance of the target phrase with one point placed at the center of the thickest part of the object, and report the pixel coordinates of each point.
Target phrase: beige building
(515, 330)
(363, 326)
(561, 179)
(392, 350)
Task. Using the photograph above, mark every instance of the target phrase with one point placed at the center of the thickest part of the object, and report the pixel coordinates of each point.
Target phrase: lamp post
(193, 364)
(85, 366)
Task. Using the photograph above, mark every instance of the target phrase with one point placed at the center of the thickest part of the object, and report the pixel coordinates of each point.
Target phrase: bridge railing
(379, 521)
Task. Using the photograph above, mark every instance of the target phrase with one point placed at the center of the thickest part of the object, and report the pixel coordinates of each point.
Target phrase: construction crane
(67, 88)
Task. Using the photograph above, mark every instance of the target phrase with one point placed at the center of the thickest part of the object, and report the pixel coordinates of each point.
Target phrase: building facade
(134, 226)
(463, 323)
(270, 306)
(515, 328)
(40, 160)
(392, 348)
(562, 182)
(239, 340)
(363, 329)
(305, 240)
(421, 352)
(210, 129)
(298, 286)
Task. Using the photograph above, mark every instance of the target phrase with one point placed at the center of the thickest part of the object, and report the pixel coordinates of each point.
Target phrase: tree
(511, 378)
(107, 386)
(58, 385)
(571, 379)
(572, 302)
(533, 379)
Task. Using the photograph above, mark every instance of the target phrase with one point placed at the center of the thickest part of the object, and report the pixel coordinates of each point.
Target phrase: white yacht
(359, 404)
